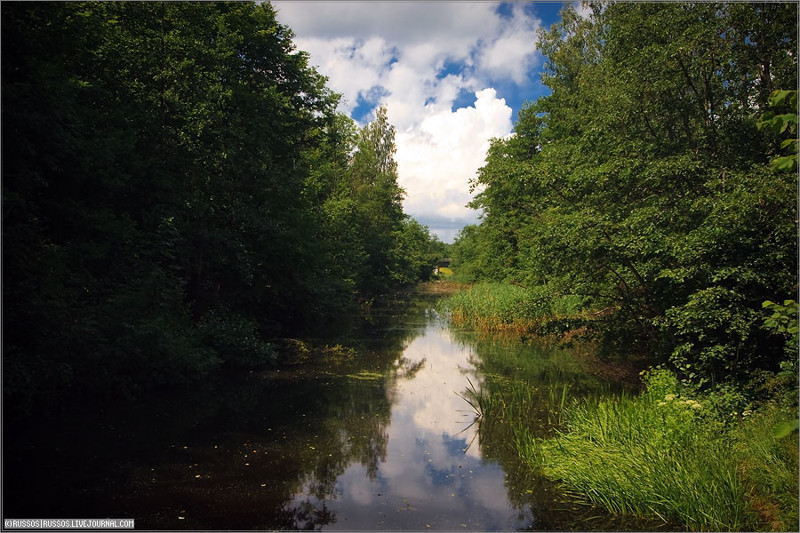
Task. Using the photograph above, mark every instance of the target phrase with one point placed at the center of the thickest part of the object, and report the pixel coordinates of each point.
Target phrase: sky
(453, 75)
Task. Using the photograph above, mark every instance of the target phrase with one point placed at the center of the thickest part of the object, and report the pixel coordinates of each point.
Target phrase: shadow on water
(385, 441)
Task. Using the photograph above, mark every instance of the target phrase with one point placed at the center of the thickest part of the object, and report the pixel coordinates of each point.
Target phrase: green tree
(417, 253)
(155, 196)
(642, 180)
(373, 185)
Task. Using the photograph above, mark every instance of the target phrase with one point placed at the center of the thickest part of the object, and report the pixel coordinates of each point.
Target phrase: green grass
(769, 466)
(503, 307)
(666, 455)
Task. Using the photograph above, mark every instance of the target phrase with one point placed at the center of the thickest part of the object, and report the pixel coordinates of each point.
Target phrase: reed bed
(666, 455)
(507, 308)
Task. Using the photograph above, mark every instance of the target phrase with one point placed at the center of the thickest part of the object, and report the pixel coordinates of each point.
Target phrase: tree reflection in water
(379, 442)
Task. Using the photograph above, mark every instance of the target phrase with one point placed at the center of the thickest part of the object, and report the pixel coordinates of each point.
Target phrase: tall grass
(503, 307)
(666, 455)
(768, 463)
(614, 455)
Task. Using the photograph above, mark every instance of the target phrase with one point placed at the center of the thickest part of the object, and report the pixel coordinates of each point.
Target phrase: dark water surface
(383, 441)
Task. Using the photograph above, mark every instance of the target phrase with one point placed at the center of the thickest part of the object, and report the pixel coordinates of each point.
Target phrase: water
(384, 441)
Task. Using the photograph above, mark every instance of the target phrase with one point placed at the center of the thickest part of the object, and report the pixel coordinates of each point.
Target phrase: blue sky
(453, 75)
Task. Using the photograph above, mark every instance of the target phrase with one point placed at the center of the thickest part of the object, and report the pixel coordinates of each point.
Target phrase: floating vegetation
(366, 375)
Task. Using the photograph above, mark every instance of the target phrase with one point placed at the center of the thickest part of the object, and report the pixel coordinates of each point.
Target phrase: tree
(374, 188)
(641, 181)
(154, 214)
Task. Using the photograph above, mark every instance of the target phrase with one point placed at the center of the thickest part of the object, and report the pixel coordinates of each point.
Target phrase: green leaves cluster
(177, 191)
(783, 122)
(647, 182)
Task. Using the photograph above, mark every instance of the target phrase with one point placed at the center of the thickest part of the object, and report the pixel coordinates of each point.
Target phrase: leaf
(783, 429)
(777, 98)
(785, 120)
(785, 162)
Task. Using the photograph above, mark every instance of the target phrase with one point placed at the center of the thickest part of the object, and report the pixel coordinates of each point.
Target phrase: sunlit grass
(503, 307)
(660, 454)
(366, 375)
(445, 272)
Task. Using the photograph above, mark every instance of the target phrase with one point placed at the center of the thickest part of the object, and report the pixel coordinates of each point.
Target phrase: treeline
(178, 191)
(657, 181)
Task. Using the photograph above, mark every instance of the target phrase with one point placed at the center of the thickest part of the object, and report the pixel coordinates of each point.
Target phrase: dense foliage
(655, 191)
(654, 180)
(178, 191)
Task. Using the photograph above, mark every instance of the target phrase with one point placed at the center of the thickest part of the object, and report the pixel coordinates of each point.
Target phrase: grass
(445, 273)
(503, 307)
(365, 375)
(666, 455)
(768, 463)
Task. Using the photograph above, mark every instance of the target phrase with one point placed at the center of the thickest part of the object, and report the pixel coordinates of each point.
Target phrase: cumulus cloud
(510, 55)
(421, 60)
(437, 157)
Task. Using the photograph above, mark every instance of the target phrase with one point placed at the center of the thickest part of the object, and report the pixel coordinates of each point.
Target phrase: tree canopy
(644, 181)
(178, 191)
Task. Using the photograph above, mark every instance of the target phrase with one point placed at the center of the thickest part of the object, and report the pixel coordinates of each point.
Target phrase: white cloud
(511, 54)
(438, 156)
(394, 53)
(401, 22)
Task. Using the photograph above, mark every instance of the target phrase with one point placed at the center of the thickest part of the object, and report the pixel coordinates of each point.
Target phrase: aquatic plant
(668, 454)
(508, 308)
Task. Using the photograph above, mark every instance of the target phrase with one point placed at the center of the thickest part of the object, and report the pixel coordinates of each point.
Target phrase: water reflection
(385, 441)
(431, 474)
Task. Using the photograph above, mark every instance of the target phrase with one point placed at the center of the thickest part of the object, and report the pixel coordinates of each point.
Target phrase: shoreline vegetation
(513, 309)
(645, 455)
(648, 203)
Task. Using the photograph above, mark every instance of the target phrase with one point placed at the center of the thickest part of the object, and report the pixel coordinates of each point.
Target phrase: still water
(382, 441)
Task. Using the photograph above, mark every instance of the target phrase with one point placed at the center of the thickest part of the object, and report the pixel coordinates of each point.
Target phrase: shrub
(237, 341)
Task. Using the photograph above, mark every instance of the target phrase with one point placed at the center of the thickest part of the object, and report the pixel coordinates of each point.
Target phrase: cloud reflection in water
(433, 475)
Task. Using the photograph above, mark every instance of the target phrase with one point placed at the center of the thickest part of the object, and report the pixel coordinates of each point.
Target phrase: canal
(384, 438)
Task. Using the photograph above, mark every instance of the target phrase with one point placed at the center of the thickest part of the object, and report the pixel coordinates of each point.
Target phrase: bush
(237, 341)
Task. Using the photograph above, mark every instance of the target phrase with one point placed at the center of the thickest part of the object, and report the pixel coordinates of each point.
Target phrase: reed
(481, 401)
(667, 455)
(507, 308)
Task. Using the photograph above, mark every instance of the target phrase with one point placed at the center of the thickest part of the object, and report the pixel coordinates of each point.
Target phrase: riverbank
(439, 287)
(642, 454)
(648, 455)
(537, 313)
